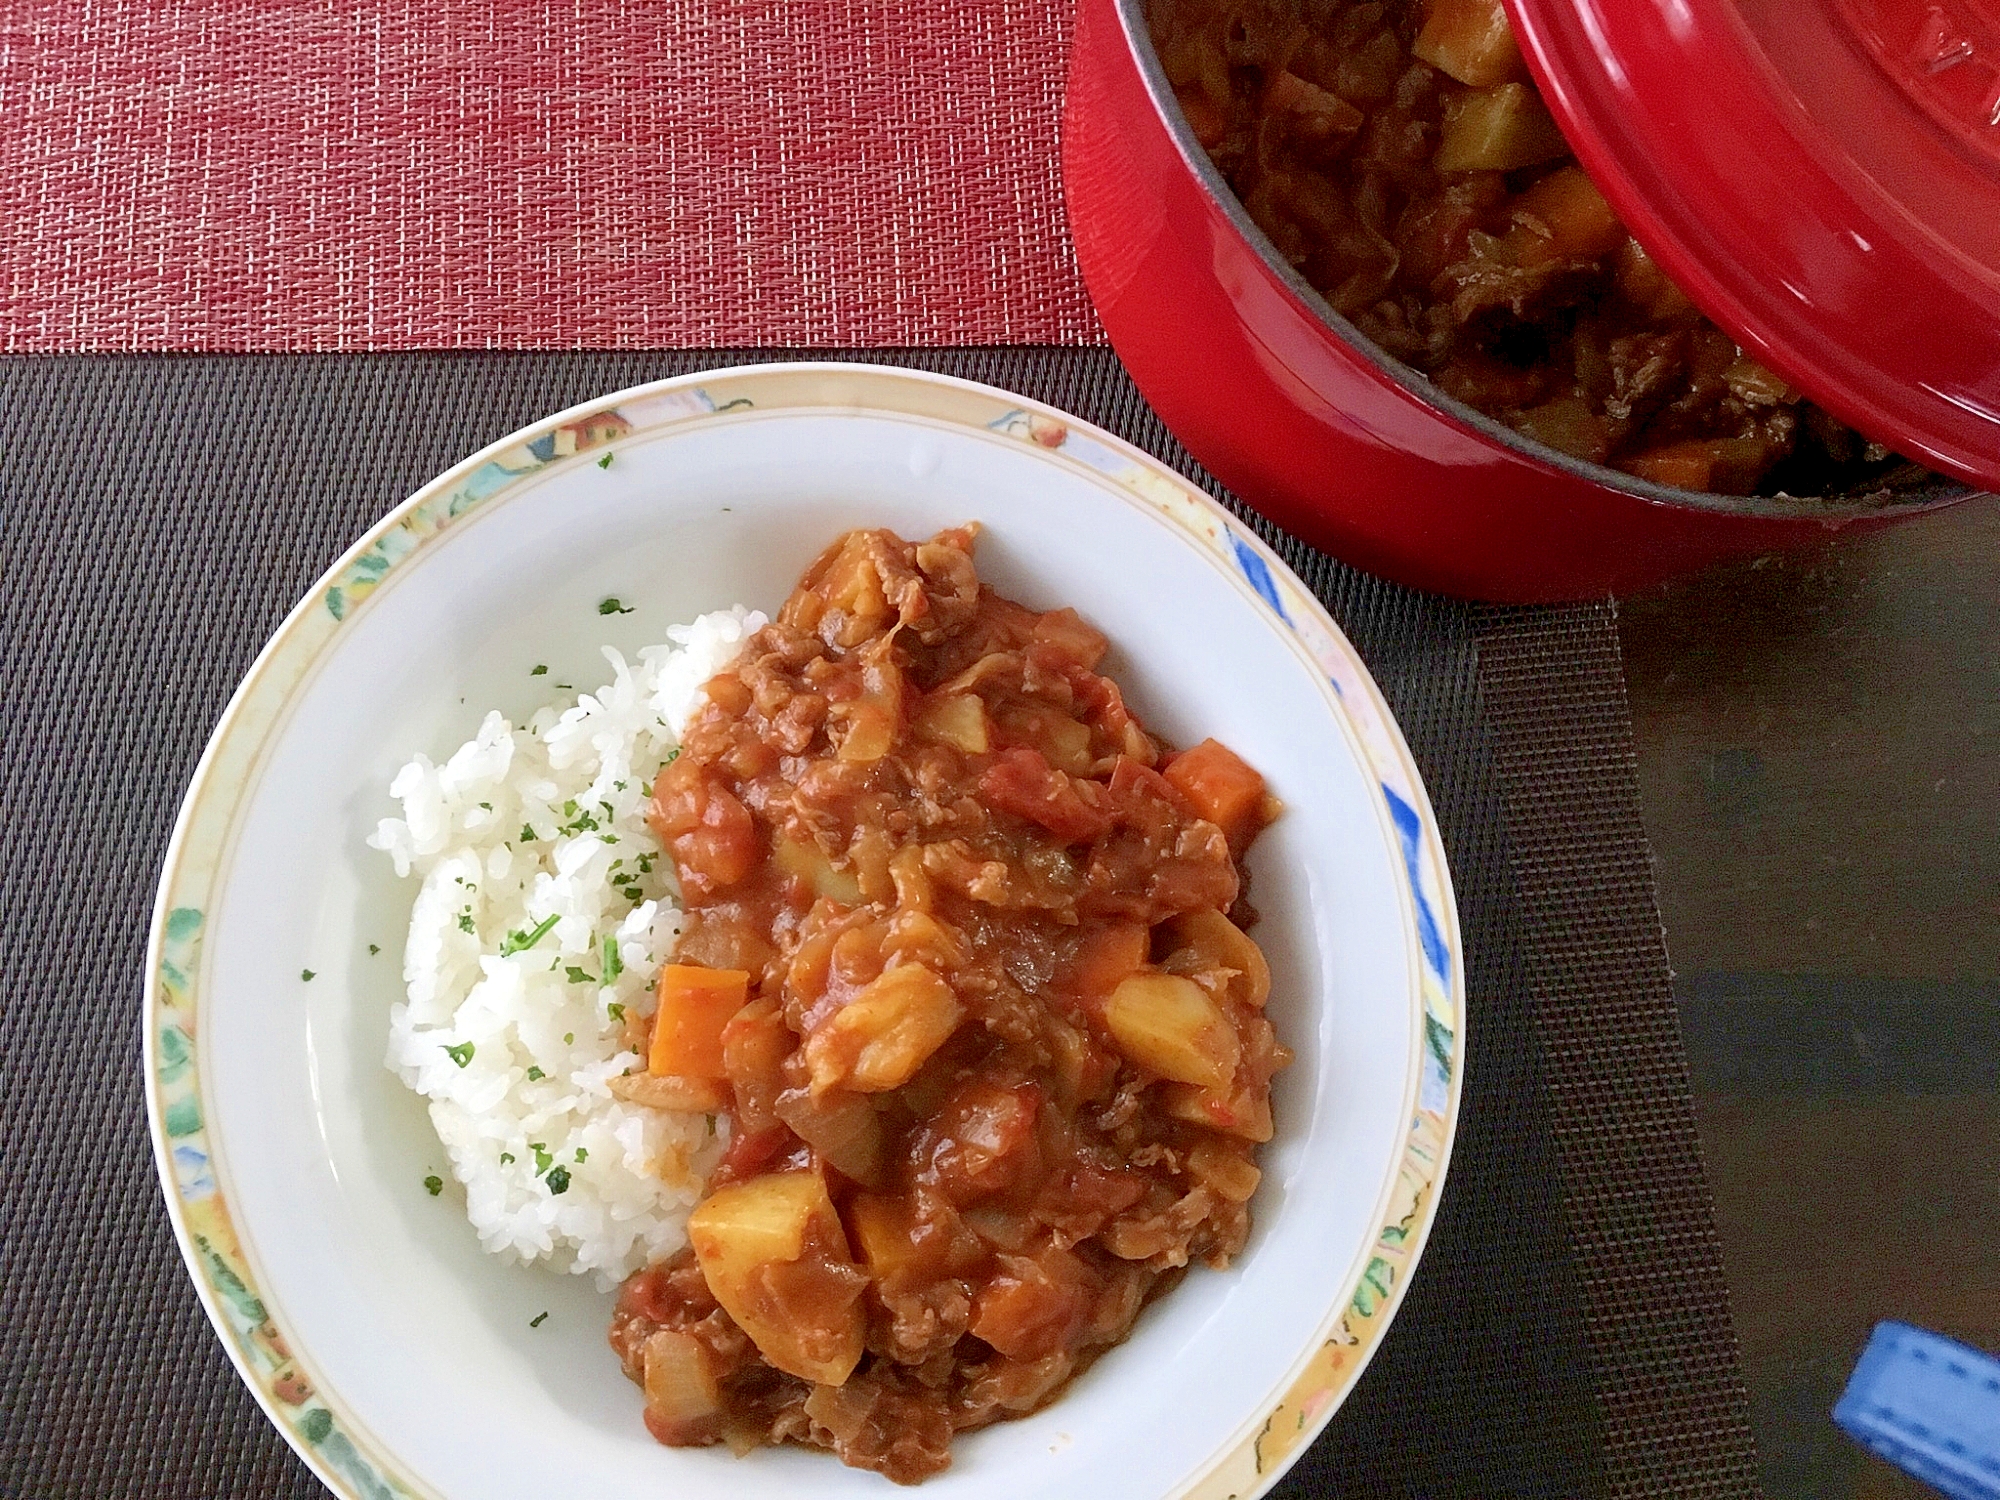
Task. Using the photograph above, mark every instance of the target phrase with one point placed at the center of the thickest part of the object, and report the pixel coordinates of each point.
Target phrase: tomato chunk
(1022, 782)
(707, 829)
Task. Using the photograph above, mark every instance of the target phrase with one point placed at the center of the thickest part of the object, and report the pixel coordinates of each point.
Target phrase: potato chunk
(1472, 40)
(809, 862)
(1169, 1025)
(879, 1039)
(774, 1255)
(683, 1400)
(955, 719)
(1206, 939)
(1497, 130)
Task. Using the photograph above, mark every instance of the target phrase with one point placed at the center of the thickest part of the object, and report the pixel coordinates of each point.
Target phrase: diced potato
(694, 1096)
(1065, 743)
(1214, 936)
(748, 1223)
(870, 733)
(883, 1234)
(1471, 40)
(1224, 1169)
(1169, 1025)
(766, 1246)
(955, 719)
(809, 863)
(695, 1004)
(1497, 130)
(1221, 787)
(1232, 1111)
(885, 1033)
(683, 1400)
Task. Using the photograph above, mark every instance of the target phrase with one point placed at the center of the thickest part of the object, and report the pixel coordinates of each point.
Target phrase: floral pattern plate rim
(343, 1455)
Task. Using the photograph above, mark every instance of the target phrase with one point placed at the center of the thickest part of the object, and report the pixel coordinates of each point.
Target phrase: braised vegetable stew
(1397, 154)
(966, 976)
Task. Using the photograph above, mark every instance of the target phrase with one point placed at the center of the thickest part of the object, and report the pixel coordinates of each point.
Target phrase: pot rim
(1139, 42)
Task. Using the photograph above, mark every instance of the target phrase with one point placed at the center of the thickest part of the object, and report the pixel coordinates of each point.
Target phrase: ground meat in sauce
(1397, 154)
(1001, 1064)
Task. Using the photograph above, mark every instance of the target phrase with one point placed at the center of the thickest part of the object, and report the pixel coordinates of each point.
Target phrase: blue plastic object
(1929, 1405)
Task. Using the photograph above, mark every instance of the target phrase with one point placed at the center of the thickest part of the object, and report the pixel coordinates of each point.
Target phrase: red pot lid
(1821, 176)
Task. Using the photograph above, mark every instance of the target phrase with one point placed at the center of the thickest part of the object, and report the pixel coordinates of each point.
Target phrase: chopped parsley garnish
(569, 1038)
(672, 756)
(558, 1179)
(434, 1184)
(461, 1054)
(465, 921)
(538, 1320)
(604, 462)
(543, 1161)
(535, 1075)
(576, 975)
(540, 669)
(613, 964)
(521, 942)
(373, 950)
(569, 808)
(615, 1011)
(611, 606)
(505, 1157)
(645, 863)
(527, 834)
(487, 805)
(619, 785)
(306, 974)
(582, 1156)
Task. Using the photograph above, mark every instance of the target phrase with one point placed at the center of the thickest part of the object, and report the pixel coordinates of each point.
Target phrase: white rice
(535, 1028)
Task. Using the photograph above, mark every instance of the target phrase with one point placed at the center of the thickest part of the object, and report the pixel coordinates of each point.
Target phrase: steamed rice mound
(546, 910)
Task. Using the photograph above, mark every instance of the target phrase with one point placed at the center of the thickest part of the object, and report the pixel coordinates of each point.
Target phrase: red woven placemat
(388, 174)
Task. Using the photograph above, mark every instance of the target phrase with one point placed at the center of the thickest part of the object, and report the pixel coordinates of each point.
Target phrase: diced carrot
(1221, 787)
(695, 1004)
(1562, 217)
(1723, 466)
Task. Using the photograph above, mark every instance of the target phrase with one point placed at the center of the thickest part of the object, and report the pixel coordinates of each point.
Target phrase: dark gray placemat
(1568, 1334)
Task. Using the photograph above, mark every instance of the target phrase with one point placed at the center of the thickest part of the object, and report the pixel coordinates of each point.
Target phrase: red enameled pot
(1289, 406)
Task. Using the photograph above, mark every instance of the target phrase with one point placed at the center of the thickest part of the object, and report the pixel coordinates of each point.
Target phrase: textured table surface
(1819, 759)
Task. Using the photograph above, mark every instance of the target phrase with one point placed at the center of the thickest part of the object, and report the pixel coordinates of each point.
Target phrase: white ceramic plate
(396, 1357)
